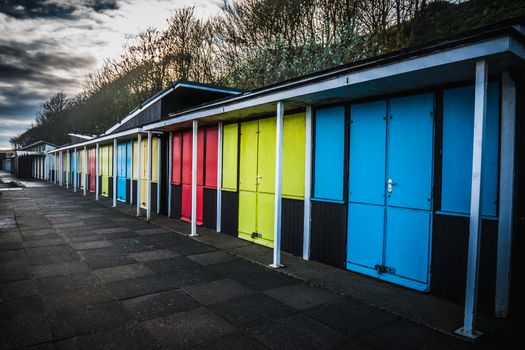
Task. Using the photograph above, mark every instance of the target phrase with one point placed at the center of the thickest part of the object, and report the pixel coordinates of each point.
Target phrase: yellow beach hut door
(257, 181)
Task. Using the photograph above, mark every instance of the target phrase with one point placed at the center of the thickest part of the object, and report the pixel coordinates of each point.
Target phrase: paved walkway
(75, 274)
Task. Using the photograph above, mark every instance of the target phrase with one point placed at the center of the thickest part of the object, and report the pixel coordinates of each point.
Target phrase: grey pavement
(77, 274)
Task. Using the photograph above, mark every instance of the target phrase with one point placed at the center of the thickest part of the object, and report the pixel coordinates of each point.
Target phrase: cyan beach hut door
(390, 189)
(122, 170)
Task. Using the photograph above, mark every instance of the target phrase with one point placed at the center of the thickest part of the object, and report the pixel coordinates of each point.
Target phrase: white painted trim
(506, 194)
(307, 182)
(219, 177)
(278, 186)
(194, 179)
(340, 78)
(471, 294)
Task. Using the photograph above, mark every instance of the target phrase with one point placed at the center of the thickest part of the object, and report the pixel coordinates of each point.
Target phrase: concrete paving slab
(24, 332)
(123, 272)
(237, 340)
(76, 297)
(297, 332)
(350, 317)
(17, 289)
(160, 304)
(212, 258)
(188, 328)
(130, 288)
(90, 245)
(59, 269)
(56, 283)
(302, 296)
(130, 336)
(86, 319)
(217, 291)
(21, 308)
(251, 310)
(153, 255)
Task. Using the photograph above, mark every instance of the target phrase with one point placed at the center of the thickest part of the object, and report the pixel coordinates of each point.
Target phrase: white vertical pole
(219, 177)
(61, 166)
(115, 172)
(471, 293)
(148, 188)
(84, 173)
(170, 170)
(75, 184)
(159, 177)
(194, 179)
(278, 186)
(46, 159)
(506, 194)
(307, 183)
(139, 155)
(96, 170)
(68, 173)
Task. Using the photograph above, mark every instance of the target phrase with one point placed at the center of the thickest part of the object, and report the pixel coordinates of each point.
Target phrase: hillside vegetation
(253, 43)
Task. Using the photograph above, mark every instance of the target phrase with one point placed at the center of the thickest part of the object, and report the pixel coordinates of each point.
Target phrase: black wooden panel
(328, 233)
(210, 208)
(449, 259)
(154, 197)
(292, 223)
(110, 185)
(164, 174)
(176, 201)
(134, 192)
(230, 213)
(99, 184)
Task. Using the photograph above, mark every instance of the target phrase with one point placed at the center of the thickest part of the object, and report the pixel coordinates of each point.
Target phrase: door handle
(390, 185)
(259, 177)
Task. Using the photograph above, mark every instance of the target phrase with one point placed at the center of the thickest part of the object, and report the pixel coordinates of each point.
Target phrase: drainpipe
(471, 294)
(278, 187)
(219, 177)
(307, 183)
(194, 180)
(68, 173)
(76, 171)
(159, 150)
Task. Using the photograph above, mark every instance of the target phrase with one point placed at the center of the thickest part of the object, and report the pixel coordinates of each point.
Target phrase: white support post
(278, 187)
(115, 172)
(194, 179)
(148, 187)
(84, 173)
(219, 177)
(307, 183)
(96, 170)
(170, 170)
(506, 194)
(471, 294)
(46, 157)
(68, 173)
(61, 166)
(75, 185)
(159, 184)
(139, 178)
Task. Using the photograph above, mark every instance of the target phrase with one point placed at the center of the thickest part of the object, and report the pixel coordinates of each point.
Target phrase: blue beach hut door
(390, 189)
(122, 160)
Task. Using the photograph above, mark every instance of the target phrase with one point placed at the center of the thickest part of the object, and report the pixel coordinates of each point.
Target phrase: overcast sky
(48, 46)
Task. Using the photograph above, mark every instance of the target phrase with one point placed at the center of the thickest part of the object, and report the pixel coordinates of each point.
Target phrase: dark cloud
(22, 9)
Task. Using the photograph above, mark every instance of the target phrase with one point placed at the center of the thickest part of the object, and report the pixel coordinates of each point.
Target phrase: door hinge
(384, 269)
(256, 235)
